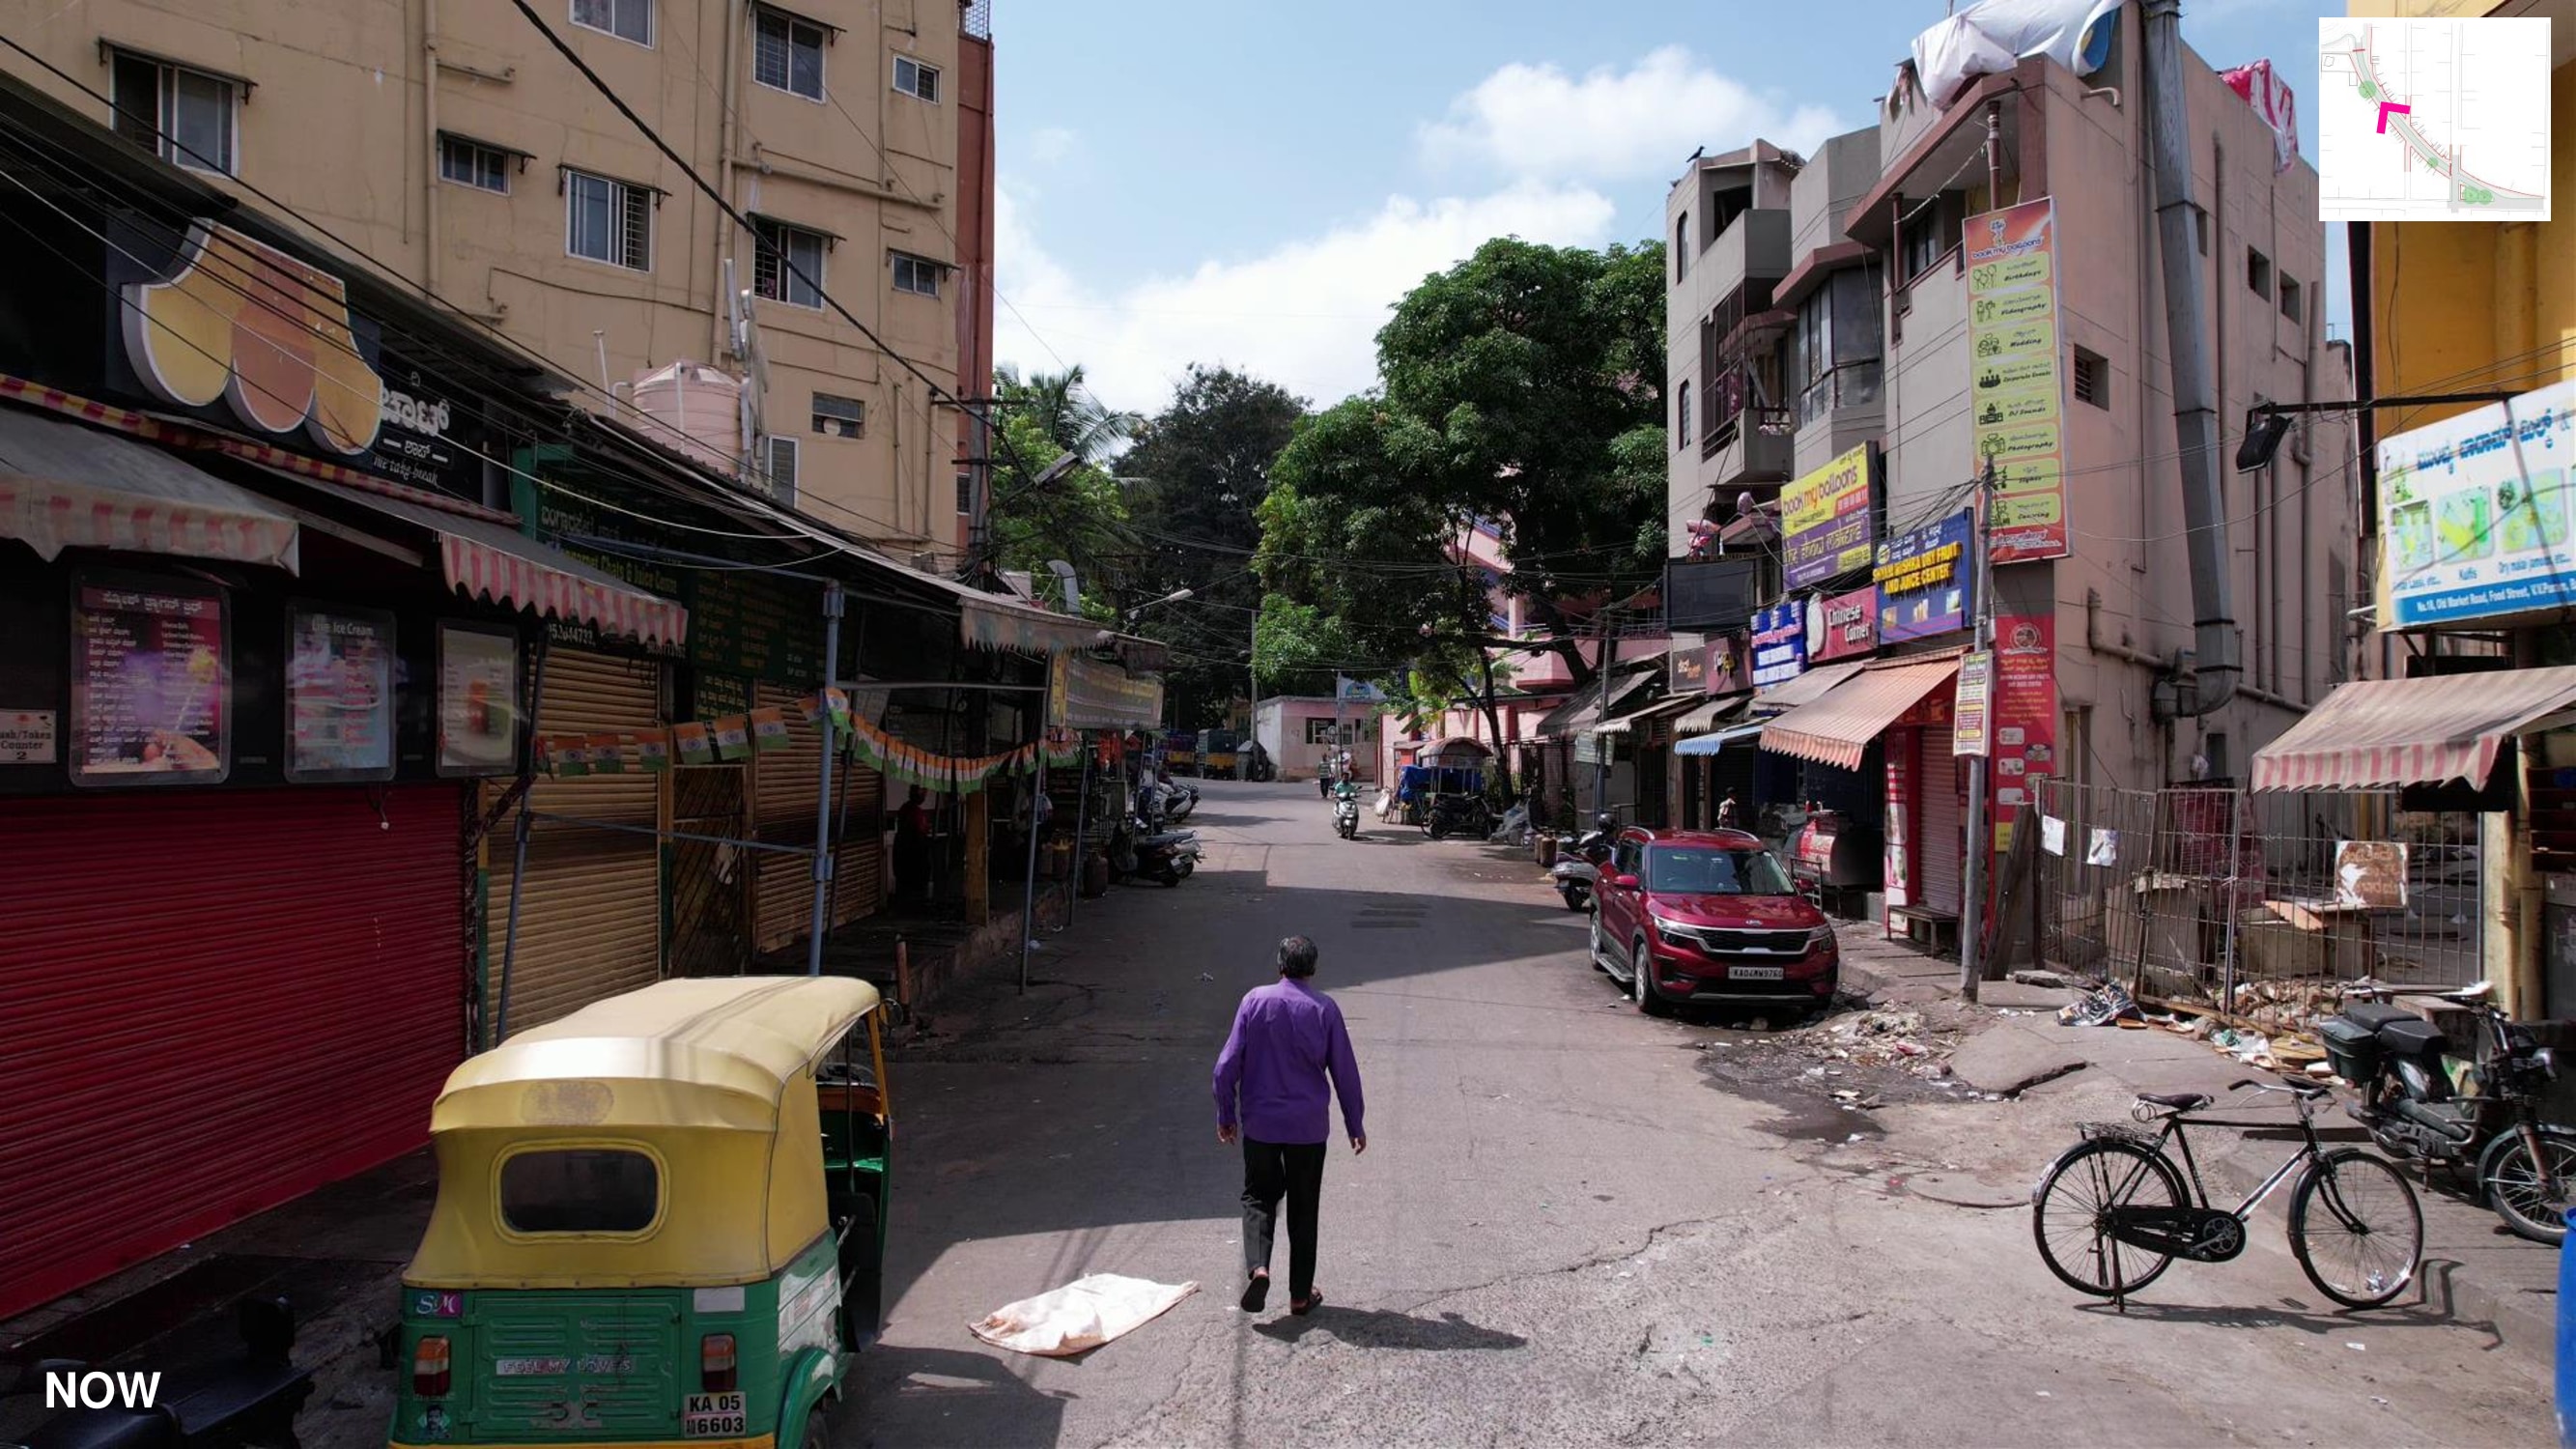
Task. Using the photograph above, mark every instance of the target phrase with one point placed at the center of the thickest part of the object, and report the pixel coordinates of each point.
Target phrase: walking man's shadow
(1373, 1328)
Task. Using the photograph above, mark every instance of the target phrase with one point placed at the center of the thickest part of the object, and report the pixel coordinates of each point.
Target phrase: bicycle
(2116, 1205)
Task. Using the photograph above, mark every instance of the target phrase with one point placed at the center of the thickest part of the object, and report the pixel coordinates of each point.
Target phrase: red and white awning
(2378, 733)
(560, 586)
(1836, 729)
(63, 486)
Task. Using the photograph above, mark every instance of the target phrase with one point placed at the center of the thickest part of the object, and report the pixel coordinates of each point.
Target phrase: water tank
(695, 409)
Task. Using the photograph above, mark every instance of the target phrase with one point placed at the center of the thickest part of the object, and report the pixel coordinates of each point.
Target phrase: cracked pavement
(1567, 1230)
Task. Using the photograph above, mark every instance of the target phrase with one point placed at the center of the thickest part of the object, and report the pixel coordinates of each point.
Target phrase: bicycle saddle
(2179, 1101)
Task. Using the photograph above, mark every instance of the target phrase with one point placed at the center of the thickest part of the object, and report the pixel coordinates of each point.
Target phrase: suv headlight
(1820, 938)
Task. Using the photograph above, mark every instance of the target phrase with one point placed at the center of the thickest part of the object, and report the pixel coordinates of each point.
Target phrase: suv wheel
(1641, 979)
(1600, 962)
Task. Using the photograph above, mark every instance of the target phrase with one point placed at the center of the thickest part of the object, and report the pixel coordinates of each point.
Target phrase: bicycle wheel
(2069, 1214)
(2356, 1228)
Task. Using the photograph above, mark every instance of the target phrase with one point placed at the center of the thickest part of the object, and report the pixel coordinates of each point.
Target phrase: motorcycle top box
(2352, 1048)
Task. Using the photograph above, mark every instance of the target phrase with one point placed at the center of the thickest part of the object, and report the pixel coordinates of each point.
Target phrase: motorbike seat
(2179, 1101)
(2376, 1014)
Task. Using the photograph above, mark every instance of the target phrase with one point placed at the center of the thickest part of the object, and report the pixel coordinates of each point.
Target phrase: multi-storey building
(1854, 332)
(451, 144)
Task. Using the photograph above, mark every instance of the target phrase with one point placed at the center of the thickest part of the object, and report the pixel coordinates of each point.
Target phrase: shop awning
(1709, 744)
(63, 486)
(998, 621)
(1640, 722)
(2387, 732)
(1836, 730)
(1711, 713)
(482, 558)
(1809, 687)
(1581, 710)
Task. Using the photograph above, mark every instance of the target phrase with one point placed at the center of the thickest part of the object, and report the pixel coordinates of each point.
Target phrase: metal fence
(2218, 894)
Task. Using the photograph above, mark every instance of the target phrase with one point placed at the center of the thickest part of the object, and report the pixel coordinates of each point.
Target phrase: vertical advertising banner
(2024, 715)
(1971, 724)
(2016, 390)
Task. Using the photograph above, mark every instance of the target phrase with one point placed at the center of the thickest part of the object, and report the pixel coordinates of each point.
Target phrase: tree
(1198, 471)
(1065, 411)
(1079, 516)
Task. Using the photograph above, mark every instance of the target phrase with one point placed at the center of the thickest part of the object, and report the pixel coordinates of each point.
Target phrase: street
(1574, 1224)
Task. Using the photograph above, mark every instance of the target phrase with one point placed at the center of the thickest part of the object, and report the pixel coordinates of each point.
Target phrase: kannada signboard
(1922, 580)
(1827, 526)
(1968, 723)
(2024, 714)
(1779, 644)
(2474, 513)
(1689, 670)
(2016, 389)
(1841, 626)
(1090, 694)
(151, 684)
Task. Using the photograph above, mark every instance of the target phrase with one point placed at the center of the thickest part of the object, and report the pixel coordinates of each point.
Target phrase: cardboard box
(2292, 938)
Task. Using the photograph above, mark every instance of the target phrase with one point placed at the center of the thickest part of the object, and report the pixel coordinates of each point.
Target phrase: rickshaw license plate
(1752, 973)
(704, 1416)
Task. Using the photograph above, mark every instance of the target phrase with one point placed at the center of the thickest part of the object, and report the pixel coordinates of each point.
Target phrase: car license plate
(705, 1416)
(1752, 973)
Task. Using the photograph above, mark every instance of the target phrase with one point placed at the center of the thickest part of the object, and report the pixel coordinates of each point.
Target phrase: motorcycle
(2524, 1166)
(1457, 815)
(1578, 870)
(1168, 801)
(248, 1397)
(1346, 814)
(1141, 850)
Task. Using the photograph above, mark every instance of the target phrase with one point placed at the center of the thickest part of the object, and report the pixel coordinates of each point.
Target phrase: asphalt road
(1570, 1226)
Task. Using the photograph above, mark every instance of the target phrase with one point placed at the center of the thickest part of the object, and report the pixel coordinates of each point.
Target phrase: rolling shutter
(1944, 822)
(590, 916)
(212, 1002)
(784, 785)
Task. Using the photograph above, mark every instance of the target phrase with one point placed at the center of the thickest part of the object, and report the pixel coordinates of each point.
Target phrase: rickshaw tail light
(429, 1369)
(715, 1363)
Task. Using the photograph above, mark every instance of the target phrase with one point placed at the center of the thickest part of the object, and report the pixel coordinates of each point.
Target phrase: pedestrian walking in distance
(1287, 1058)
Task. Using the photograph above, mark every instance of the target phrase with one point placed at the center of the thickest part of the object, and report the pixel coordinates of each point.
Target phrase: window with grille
(916, 274)
(625, 19)
(1682, 420)
(779, 458)
(608, 221)
(787, 53)
(183, 116)
(966, 493)
(789, 266)
(471, 163)
(840, 417)
(2091, 379)
(915, 79)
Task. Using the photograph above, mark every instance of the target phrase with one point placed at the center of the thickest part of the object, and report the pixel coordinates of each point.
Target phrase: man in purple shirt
(1271, 1090)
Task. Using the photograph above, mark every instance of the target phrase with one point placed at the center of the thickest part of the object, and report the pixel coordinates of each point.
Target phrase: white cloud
(1052, 145)
(1304, 314)
(1538, 121)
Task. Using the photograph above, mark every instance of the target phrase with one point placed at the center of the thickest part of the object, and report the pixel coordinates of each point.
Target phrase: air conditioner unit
(778, 455)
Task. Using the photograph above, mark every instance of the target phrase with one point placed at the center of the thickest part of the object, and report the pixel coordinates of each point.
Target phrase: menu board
(478, 695)
(745, 624)
(339, 693)
(151, 684)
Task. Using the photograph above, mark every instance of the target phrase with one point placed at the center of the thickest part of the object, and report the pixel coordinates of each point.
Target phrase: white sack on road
(1079, 1316)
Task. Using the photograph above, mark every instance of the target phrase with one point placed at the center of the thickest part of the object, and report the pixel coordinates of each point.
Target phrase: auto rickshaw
(660, 1220)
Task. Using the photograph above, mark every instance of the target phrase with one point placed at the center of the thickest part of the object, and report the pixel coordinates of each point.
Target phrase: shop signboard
(430, 437)
(1689, 670)
(1843, 626)
(478, 700)
(1729, 671)
(339, 694)
(1779, 644)
(1969, 733)
(27, 737)
(1092, 694)
(2024, 715)
(2474, 513)
(2016, 391)
(1922, 580)
(1827, 524)
(151, 682)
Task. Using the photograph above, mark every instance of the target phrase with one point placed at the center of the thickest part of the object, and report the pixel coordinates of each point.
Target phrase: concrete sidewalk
(2475, 1270)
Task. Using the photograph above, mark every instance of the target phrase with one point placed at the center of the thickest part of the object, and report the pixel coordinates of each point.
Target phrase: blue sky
(1255, 183)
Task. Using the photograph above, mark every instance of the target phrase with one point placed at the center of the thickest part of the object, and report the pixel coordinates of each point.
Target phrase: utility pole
(823, 790)
(1600, 760)
(1972, 913)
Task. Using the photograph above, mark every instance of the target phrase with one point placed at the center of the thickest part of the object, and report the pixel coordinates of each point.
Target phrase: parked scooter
(2524, 1166)
(248, 1397)
(1346, 811)
(1141, 850)
(1167, 801)
(1458, 815)
(1578, 870)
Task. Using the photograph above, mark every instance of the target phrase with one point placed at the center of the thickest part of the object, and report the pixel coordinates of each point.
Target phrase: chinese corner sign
(2016, 390)
(2023, 715)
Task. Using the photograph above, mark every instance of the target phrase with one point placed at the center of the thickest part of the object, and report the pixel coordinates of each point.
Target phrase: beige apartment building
(450, 143)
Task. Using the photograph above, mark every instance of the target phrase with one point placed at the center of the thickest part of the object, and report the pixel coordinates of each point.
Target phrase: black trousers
(1272, 1170)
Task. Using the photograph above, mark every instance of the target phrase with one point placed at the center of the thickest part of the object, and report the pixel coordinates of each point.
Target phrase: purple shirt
(1287, 1036)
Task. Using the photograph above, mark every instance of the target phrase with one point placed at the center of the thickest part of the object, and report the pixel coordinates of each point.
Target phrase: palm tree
(1063, 405)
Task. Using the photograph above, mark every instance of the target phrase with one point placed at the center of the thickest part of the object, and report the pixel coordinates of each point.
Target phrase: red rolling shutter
(211, 1002)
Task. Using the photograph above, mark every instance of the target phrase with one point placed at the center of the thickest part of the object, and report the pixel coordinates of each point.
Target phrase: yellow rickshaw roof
(696, 1049)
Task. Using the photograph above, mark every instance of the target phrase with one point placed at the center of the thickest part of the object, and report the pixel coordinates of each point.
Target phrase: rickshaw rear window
(580, 1190)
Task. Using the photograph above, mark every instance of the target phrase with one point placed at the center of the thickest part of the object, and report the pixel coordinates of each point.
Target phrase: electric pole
(1972, 913)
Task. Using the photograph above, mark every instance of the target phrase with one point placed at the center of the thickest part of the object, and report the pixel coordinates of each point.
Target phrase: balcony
(1753, 444)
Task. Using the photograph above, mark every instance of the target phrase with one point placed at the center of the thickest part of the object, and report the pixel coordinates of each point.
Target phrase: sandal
(1255, 1293)
(1303, 1306)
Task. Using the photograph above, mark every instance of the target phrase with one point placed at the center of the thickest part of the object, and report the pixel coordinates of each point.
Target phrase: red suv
(1709, 915)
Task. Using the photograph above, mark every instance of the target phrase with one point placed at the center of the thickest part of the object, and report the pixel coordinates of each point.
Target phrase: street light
(1174, 597)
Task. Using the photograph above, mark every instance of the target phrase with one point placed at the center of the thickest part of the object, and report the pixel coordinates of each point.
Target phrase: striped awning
(1809, 687)
(1710, 712)
(2388, 732)
(63, 486)
(1836, 730)
(1710, 744)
